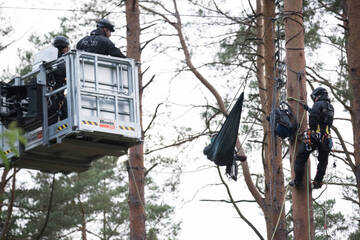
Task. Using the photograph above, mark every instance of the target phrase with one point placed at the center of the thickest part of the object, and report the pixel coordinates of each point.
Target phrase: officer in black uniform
(59, 104)
(99, 42)
(62, 44)
(318, 137)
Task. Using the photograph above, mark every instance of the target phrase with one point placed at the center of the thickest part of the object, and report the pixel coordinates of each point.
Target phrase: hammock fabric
(221, 150)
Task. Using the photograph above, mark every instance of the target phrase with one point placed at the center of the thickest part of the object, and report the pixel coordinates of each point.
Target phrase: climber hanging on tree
(318, 137)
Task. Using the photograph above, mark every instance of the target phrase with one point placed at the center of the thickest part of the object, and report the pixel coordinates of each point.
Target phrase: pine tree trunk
(136, 161)
(83, 230)
(354, 74)
(3, 183)
(296, 87)
(274, 177)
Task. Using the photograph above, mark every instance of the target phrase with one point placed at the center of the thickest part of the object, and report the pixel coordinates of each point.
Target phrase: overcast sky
(201, 220)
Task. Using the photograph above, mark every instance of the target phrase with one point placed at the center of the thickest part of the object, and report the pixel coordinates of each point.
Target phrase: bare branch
(151, 168)
(148, 83)
(149, 41)
(227, 201)
(177, 143)
(153, 118)
(323, 81)
(150, 25)
(233, 18)
(203, 187)
(338, 16)
(343, 145)
(157, 13)
(237, 208)
(352, 200)
(178, 27)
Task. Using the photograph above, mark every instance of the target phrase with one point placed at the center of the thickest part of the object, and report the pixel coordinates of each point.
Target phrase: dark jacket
(321, 114)
(59, 73)
(97, 42)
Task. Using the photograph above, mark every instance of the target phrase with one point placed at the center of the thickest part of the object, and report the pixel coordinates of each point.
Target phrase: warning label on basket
(35, 135)
(106, 123)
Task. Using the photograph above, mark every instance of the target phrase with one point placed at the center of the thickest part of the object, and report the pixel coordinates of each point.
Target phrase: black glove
(306, 107)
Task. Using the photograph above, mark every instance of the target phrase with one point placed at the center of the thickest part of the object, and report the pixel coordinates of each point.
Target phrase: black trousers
(324, 147)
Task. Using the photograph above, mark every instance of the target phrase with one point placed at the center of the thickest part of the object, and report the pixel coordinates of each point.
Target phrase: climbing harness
(307, 140)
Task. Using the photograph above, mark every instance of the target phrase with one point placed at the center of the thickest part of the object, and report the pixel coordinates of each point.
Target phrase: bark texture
(136, 199)
(274, 176)
(296, 88)
(353, 52)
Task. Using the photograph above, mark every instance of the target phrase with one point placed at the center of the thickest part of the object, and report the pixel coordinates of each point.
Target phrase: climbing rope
(325, 215)
(136, 186)
(281, 210)
(277, 90)
(308, 198)
(243, 85)
(292, 16)
(287, 187)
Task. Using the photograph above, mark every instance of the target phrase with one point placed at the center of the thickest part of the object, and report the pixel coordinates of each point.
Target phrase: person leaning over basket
(99, 40)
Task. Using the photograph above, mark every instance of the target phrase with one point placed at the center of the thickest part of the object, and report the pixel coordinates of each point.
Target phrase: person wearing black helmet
(318, 137)
(59, 105)
(62, 44)
(99, 42)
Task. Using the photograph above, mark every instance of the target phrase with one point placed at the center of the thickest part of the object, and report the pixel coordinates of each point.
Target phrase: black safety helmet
(61, 42)
(104, 23)
(319, 91)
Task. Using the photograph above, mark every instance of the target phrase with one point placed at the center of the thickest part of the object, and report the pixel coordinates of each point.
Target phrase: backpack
(329, 114)
(283, 121)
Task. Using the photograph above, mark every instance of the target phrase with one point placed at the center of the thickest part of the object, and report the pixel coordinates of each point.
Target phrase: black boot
(316, 185)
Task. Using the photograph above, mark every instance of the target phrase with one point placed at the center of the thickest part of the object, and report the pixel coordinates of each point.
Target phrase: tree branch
(178, 143)
(343, 145)
(237, 208)
(10, 209)
(148, 83)
(153, 118)
(151, 168)
(328, 84)
(227, 201)
(351, 200)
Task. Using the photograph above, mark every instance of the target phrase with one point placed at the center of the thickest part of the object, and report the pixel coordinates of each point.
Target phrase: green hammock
(221, 150)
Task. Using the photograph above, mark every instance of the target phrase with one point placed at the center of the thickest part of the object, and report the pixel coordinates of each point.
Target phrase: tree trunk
(3, 183)
(353, 52)
(296, 87)
(274, 176)
(83, 230)
(6, 226)
(136, 161)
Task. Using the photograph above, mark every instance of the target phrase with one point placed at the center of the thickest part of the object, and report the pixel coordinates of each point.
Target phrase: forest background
(186, 197)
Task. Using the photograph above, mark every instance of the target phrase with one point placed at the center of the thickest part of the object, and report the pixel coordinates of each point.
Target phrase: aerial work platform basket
(100, 95)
